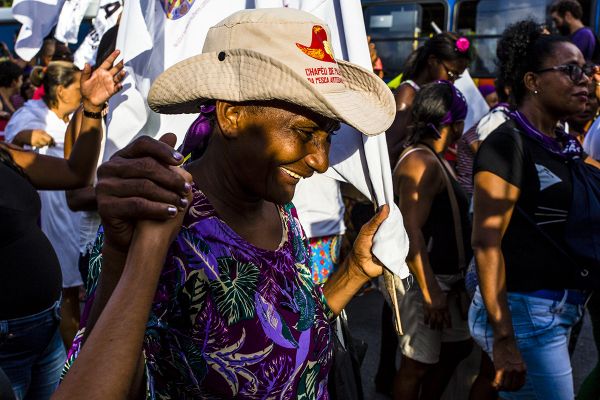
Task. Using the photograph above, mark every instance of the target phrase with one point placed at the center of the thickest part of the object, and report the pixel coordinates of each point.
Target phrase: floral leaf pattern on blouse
(230, 320)
(234, 289)
(194, 292)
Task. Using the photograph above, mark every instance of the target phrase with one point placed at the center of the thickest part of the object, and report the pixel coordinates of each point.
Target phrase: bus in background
(397, 27)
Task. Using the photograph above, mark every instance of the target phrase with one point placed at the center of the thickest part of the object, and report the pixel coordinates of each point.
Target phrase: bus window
(484, 21)
(397, 29)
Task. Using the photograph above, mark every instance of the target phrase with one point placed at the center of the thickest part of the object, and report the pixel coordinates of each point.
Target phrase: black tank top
(439, 233)
(30, 276)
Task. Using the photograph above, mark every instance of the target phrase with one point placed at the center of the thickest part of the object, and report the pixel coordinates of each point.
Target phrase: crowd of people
(197, 276)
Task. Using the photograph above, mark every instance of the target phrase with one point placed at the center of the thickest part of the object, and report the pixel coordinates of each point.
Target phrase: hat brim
(365, 103)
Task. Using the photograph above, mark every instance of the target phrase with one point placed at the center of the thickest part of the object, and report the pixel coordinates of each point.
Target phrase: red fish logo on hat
(319, 48)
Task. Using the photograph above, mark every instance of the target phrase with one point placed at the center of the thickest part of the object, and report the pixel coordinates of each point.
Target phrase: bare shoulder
(405, 96)
(421, 166)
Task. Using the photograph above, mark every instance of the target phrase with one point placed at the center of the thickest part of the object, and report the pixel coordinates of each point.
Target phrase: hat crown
(293, 37)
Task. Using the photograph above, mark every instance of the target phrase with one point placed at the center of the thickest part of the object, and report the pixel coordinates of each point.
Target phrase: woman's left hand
(362, 256)
(105, 81)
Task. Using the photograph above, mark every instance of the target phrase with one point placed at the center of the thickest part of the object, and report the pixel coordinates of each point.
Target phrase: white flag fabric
(166, 36)
(71, 15)
(106, 18)
(37, 17)
(477, 106)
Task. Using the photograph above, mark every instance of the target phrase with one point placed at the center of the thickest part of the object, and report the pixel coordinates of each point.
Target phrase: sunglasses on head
(574, 71)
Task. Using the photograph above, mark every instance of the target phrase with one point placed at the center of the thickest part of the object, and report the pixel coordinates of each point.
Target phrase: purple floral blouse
(231, 320)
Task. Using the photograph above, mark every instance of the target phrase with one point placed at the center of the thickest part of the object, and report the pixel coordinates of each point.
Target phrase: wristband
(96, 115)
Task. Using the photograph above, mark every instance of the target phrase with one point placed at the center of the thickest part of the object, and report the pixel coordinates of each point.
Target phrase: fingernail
(172, 211)
(177, 155)
(183, 202)
(187, 187)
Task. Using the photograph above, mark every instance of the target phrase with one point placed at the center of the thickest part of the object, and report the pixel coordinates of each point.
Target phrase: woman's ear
(229, 117)
(531, 81)
(60, 94)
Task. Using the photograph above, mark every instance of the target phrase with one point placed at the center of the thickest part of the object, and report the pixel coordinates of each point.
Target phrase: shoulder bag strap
(458, 231)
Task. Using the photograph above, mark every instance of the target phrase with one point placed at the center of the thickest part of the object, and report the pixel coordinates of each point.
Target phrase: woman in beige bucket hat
(233, 310)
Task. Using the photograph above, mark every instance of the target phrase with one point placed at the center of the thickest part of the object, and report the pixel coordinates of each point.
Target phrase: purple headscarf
(198, 134)
(486, 90)
(458, 107)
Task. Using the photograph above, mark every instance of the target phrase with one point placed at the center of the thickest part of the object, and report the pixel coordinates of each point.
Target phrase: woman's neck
(6, 93)
(541, 119)
(422, 78)
(213, 174)
(61, 113)
(438, 145)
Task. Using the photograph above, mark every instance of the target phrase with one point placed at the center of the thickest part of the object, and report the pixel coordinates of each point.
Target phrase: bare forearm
(84, 156)
(492, 283)
(418, 263)
(343, 285)
(22, 138)
(119, 331)
(113, 263)
(82, 199)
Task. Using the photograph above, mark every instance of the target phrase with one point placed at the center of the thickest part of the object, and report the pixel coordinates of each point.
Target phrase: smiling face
(557, 93)
(276, 145)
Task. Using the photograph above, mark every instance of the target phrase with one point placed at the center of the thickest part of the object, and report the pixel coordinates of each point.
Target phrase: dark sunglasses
(574, 71)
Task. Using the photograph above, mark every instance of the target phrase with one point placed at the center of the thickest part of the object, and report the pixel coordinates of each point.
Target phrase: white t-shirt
(591, 143)
(320, 207)
(59, 223)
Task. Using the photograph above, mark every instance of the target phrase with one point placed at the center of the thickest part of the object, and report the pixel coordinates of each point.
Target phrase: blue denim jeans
(542, 328)
(32, 353)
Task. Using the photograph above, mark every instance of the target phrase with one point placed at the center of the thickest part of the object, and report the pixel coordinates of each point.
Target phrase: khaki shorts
(420, 342)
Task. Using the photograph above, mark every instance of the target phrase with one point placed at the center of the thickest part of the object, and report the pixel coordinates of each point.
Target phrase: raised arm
(494, 202)
(55, 173)
(119, 331)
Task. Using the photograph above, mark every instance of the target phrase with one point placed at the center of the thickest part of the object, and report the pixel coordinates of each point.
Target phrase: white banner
(108, 14)
(38, 18)
(67, 28)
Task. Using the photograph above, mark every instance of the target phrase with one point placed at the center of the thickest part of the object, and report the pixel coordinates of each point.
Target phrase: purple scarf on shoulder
(564, 145)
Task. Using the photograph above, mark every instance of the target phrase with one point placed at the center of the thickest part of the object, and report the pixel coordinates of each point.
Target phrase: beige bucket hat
(275, 54)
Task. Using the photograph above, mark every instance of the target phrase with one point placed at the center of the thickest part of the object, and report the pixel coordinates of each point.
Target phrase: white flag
(67, 28)
(106, 18)
(38, 18)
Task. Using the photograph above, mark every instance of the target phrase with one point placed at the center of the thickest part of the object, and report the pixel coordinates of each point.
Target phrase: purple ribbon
(565, 145)
(198, 134)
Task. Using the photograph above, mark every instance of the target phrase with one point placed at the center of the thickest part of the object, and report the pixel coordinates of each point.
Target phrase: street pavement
(364, 320)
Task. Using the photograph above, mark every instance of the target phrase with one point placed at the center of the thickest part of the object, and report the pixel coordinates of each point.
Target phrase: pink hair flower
(462, 44)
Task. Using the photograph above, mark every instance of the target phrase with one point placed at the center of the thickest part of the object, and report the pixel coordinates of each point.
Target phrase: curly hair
(442, 46)
(431, 104)
(562, 6)
(9, 72)
(523, 48)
